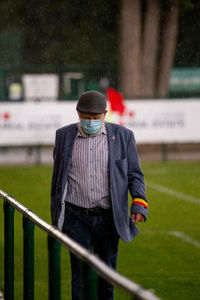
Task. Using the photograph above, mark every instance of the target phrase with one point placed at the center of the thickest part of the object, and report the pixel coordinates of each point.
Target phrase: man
(95, 165)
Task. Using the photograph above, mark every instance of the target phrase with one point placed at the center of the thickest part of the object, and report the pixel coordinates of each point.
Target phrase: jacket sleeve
(136, 180)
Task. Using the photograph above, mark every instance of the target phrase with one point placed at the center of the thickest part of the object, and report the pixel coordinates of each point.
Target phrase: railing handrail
(93, 261)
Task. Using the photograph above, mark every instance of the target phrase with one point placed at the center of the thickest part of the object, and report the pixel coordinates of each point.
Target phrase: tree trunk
(150, 48)
(168, 45)
(131, 48)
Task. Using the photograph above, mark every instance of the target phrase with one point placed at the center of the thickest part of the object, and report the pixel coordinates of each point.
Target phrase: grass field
(164, 257)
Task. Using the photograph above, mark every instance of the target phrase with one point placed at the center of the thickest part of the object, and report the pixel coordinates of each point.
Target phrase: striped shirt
(87, 183)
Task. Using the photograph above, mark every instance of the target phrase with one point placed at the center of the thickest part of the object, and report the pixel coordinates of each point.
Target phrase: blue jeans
(98, 235)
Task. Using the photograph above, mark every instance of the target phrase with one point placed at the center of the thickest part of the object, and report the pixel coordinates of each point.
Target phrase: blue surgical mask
(91, 126)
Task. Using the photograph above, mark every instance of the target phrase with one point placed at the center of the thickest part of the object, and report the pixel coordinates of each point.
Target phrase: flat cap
(92, 102)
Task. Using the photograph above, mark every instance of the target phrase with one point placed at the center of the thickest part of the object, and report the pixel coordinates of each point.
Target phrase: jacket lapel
(67, 151)
(69, 141)
(112, 144)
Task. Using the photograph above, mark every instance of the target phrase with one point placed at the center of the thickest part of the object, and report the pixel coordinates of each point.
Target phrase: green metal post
(90, 283)
(38, 155)
(164, 152)
(54, 268)
(8, 251)
(3, 77)
(28, 227)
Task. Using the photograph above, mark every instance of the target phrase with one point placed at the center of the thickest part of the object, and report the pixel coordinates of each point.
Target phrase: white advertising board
(40, 86)
(152, 121)
(163, 121)
(34, 123)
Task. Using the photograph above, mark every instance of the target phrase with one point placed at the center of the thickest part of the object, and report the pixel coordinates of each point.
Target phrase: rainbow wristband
(140, 202)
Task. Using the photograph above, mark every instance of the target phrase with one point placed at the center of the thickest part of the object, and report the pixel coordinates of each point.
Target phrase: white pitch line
(177, 234)
(166, 190)
(185, 238)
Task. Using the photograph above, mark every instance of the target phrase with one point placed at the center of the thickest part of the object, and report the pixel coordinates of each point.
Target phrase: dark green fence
(93, 268)
(73, 79)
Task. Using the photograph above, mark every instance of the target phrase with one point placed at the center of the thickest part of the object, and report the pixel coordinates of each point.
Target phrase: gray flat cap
(92, 102)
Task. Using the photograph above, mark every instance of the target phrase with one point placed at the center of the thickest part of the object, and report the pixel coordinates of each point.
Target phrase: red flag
(116, 101)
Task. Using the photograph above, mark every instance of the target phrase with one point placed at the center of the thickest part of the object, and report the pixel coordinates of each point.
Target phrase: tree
(150, 48)
(148, 44)
(88, 32)
(168, 47)
(131, 48)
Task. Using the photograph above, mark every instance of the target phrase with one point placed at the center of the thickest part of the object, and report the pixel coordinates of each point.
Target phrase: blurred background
(145, 56)
(145, 48)
(52, 52)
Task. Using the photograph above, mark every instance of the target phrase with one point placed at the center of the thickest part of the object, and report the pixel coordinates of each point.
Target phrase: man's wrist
(139, 205)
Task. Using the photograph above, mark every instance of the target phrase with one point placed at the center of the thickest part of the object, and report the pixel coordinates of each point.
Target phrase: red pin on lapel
(113, 137)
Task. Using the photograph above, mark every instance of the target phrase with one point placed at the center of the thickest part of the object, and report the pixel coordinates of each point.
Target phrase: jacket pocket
(122, 165)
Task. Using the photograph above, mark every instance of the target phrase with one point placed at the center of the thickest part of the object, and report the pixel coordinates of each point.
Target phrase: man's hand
(138, 218)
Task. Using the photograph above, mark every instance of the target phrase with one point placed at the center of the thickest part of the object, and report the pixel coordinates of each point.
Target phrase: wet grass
(156, 258)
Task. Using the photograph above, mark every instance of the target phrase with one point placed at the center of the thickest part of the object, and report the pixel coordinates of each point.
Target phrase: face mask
(91, 126)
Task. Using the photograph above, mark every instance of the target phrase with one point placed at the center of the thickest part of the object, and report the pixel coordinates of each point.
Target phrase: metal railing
(93, 267)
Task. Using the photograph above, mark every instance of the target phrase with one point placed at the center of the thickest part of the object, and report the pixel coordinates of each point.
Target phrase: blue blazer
(124, 172)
